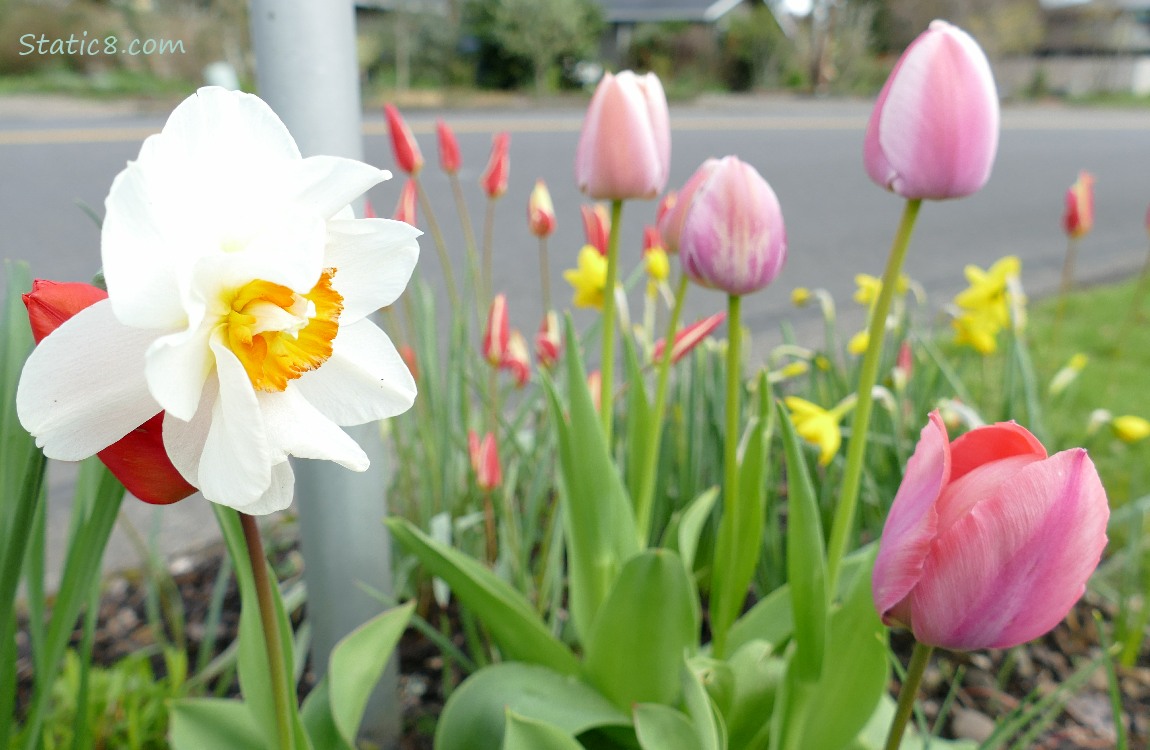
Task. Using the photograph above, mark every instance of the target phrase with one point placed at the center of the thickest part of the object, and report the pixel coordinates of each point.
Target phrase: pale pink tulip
(934, 129)
(989, 542)
(625, 148)
(671, 217)
(733, 236)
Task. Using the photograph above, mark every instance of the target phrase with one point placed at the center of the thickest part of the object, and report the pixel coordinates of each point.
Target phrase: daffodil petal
(364, 380)
(83, 387)
(327, 184)
(176, 368)
(301, 430)
(374, 259)
(279, 492)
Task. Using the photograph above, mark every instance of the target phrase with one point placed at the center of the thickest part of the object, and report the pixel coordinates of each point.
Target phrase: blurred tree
(543, 31)
(755, 51)
(1002, 27)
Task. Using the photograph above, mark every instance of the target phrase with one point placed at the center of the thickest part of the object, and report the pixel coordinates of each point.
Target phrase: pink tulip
(540, 211)
(733, 236)
(671, 219)
(449, 159)
(934, 129)
(625, 148)
(494, 178)
(596, 226)
(1079, 216)
(498, 331)
(989, 542)
(403, 144)
(484, 455)
(405, 206)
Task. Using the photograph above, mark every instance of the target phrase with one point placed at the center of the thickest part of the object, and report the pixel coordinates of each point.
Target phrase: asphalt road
(838, 222)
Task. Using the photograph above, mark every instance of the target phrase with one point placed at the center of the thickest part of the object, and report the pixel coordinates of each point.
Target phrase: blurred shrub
(683, 55)
(755, 53)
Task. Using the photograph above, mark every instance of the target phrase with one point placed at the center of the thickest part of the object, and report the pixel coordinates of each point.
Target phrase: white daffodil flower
(239, 288)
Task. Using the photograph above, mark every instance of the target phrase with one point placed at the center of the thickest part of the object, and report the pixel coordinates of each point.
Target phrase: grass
(107, 85)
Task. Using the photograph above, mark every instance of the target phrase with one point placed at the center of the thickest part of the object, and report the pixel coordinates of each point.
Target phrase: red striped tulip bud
(484, 455)
(405, 207)
(596, 226)
(688, 338)
(449, 159)
(498, 332)
(549, 341)
(517, 360)
(408, 157)
(540, 211)
(1079, 216)
(494, 179)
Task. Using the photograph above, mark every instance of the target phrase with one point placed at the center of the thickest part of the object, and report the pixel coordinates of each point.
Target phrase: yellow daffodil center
(279, 334)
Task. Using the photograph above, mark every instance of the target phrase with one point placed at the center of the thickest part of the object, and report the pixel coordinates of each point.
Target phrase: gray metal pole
(307, 72)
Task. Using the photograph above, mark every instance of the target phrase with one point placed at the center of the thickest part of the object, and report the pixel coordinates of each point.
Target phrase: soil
(993, 683)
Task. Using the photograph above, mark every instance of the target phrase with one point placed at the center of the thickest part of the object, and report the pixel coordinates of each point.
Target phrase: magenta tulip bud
(934, 129)
(625, 147)
(671, 220)
(989, 542)
(733, 236)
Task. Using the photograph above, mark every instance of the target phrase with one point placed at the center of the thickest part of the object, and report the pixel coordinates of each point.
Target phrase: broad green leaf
(663, 728)
(514, 625)
(683, 532)
(710, 731)
(356, 664)
(318, 720)
(649, 620)
(756, 675)
(598, 520)
(522, 733)
(717, 678)
(474, 716)
(201, 723)
(806, 559)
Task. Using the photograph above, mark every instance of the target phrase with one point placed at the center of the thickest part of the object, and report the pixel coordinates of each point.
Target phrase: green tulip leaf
(757, 674)
(638, 430)
(686, 527)
(663, 728)
(475, 714)
(522, 733)
(710, 731)
(199, 723)
(626, 658)
(510, 619)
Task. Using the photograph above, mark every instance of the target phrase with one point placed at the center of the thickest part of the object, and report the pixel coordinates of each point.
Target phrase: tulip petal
(301, 430)
(364, 380)
(374, 260)
(992, 443)
(910, 527)
(83, 387)
(140, 461)
(619, 153)
(1012, 568)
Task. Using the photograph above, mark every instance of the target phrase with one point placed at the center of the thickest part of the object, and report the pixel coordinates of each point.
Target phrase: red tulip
(548, 341)
(449, 159)
(405, 206)
(138, 459)
(989, 542)
(484, 455)
(688, 338)
(494, 179)
(498, 332)
(540, 211)
(1079, 216)
(596, 226)
(407, 154)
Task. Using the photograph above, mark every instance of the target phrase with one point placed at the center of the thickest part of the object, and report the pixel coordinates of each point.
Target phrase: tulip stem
(440, 245)
(545, 275)
(868, 375)
(273, 638)
(607, 364)
(468, 240)
(488, 233)
(919, 658)
(646, 495)
(1067, 283)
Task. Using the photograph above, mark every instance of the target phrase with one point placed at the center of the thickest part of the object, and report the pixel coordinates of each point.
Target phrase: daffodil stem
(607, 364)
(440, 245)
(651, 458)
(273, 638)
(868, 375)
(545, 275)
(919, 658)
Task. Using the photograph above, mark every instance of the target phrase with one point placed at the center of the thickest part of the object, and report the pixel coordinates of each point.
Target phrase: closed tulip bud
(369, 210)
(139, 459)
(670, 198)
(624, 149)
(989, 542)
(548, 341)
(449, 159)
(494, 178)
(498, 331)
(934, 130)
(405, 206)
(540, 211)
(688, 338)
(408, 157)
(733, 236)
(408, 355)
(484, 455)
(596, 226)
(516, 360)
(671, 220)
(1079, 216)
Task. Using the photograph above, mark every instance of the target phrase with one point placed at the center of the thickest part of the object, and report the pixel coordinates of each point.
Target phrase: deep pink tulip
(139, 459)
(733, 236)
(1078, 219)
(934, 129)
(494, 178)
(408, 157)
(625, 148)
(449, 159)
(671, 219)
(989, 542)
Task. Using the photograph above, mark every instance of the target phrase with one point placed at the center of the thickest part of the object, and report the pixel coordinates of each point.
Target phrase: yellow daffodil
(658, 268)
(589, 278)
(819, 426)
(1130, 429)
(869, 287)
(800, 296)
(988, 290)
(858, 343)
(979, 332)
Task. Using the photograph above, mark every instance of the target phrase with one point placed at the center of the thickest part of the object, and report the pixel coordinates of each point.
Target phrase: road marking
(1028, 120)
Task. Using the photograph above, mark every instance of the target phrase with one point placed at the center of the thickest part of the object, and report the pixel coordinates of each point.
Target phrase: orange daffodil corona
(239, 287)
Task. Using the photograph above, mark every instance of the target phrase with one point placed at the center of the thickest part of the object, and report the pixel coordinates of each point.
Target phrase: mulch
(993, 683)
